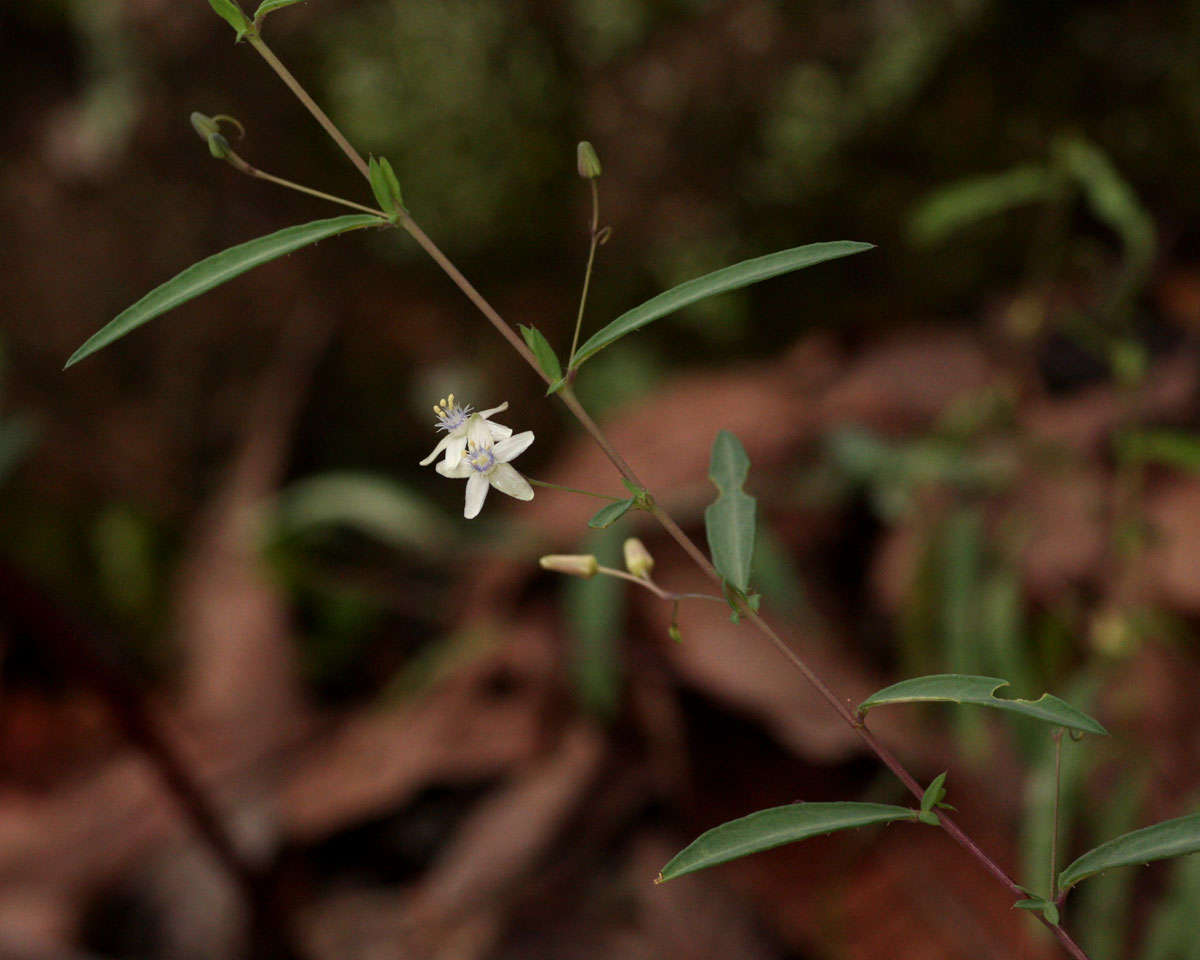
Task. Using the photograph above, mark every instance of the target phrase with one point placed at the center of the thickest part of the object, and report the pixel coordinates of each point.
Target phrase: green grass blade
(961, 204)
(1171, 838)
(956, 688)
(773, 828)
(215, 270)
(729, 521)
(729, 278)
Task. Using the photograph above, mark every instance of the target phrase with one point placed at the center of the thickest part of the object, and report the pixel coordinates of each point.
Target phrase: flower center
(481, 459)
(450, 415)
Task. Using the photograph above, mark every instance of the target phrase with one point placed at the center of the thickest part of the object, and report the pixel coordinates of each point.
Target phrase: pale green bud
(575, 565)
(586, 161)
(637, 558)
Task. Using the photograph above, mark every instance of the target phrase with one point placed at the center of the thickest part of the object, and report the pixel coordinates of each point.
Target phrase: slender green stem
(567, 395)
(586, 493)
(1058, 739)
(655, 588)
(640, 581)
(302, 95)
(250, 170)
(587, 274)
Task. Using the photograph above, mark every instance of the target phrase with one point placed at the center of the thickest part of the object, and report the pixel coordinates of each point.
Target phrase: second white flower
(486, 465)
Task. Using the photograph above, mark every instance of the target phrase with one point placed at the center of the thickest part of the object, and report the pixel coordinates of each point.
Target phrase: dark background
(973, 451)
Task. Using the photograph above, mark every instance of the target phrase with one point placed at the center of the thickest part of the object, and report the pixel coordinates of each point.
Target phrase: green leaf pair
(232, 14)
(386, 187)
(934, 794)
(1046, 908)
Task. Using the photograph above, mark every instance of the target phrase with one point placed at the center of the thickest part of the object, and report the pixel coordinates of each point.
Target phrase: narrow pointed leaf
(232, 14)
(546, 357)
(720, 281)
(1171, 838)
(393, 184)
(269, 6)
(214, 271)
(729, 521)
(379, 186)
(773, 828)
(957, 688)
(607, 516)
(934, 792)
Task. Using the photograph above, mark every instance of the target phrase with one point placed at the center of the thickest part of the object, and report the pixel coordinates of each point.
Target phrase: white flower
(486, 465)
(462, 425)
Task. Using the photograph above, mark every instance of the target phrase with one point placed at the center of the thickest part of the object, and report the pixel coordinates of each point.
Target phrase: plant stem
(586, 493)
(302, 95)
(655, 588)
(640, 581)
(587, 273)
(250, 170)
(1058, 739)
(567, 395)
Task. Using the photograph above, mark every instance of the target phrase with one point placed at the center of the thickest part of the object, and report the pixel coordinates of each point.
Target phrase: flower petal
(506, 479)
(513, 447)
(498, 431)
(500, 409)
(477, 488)
(456, 446)
(436, 450)
(456, 472)
(477, 432)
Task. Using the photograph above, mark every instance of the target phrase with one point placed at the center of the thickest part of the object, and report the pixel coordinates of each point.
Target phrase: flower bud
(204, 125)
(576, 565)
(218, 146)
(586, 161)
(637, 558)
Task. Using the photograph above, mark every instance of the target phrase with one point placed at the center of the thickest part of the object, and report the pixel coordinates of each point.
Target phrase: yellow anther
(450, 400)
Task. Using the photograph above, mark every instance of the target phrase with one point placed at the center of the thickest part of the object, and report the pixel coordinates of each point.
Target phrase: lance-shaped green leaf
(957, 688)
(232, 14)
(269, 6)
(721, 281)
(546, 357)
(773, 828)
(729, 521)
(215, 270)
(607, 516)
(1171, 838)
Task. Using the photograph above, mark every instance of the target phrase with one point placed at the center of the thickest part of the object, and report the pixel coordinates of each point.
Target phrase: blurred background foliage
(1029, 172)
